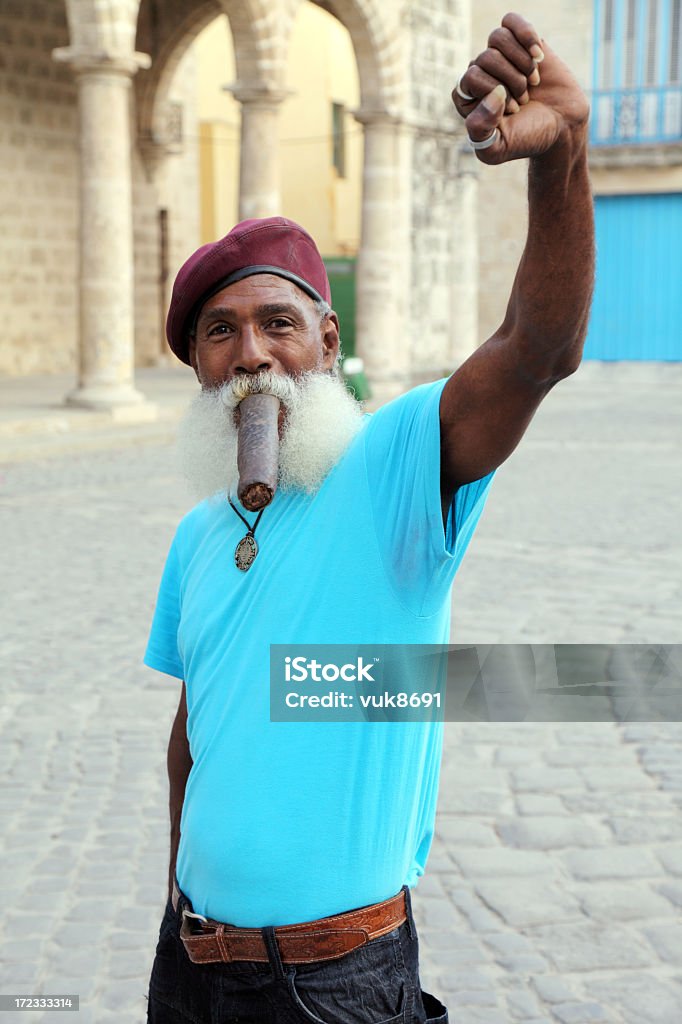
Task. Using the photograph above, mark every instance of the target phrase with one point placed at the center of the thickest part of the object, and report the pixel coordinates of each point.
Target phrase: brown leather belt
(328, 938)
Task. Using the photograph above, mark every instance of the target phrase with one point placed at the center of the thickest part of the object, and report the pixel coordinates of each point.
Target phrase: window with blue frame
(637, 95)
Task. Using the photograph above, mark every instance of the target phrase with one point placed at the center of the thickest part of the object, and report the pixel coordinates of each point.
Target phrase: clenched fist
(521, 98)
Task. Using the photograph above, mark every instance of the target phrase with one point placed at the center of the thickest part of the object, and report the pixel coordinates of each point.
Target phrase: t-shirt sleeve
(162, 651)
(402, 456)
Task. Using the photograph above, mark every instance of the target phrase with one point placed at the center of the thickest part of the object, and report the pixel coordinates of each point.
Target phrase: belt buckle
(198, 917)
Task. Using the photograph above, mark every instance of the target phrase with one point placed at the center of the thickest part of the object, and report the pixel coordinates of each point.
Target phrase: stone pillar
(106, 343)
(259, 186)
(381, 335)
(464, 270)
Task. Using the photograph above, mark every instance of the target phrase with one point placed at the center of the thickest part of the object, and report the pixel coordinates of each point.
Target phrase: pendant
(245, 552)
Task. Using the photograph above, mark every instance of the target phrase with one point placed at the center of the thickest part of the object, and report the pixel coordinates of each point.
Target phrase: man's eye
(279, 323)
(218, 329)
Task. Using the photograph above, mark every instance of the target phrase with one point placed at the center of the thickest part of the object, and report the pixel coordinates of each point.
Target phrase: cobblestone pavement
(554, 887)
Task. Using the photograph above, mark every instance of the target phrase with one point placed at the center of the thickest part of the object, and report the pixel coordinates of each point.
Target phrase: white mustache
(232, 392)
(320, 422)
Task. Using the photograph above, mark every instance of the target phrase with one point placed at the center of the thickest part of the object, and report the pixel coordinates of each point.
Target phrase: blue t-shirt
(286, 822)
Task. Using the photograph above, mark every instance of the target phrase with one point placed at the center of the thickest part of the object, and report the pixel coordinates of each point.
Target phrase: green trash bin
(341, 274)
(355, 379)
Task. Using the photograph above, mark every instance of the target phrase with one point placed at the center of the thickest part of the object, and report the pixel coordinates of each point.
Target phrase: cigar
(257, 450)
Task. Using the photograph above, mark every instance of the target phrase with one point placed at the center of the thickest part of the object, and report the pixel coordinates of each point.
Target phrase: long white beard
(321, 420)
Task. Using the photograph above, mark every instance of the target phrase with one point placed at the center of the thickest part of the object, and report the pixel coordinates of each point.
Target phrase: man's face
(265, 331)
(261, 323)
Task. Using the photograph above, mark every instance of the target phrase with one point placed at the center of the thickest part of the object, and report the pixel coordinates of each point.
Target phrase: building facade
(100, 163)
(96, 116)
(637, 170)
(627, 55)
(319, 140)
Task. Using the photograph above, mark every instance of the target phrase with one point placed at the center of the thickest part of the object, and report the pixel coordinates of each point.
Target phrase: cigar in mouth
(257, 450)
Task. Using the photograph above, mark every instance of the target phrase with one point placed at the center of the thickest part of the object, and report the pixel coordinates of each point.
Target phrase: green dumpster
(341, 274)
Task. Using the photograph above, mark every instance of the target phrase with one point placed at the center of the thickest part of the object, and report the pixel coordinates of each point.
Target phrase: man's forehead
(258, 289)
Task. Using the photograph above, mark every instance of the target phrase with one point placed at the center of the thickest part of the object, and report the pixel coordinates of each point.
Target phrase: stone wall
(146, 239)
(39, 163)
(443, 233)
(39, 190)
(436, 48)
(502, 202)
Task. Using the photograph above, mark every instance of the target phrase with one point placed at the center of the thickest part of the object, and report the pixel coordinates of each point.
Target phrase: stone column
(106, 343)
(465, 269)
(381, 281)
(259, 185)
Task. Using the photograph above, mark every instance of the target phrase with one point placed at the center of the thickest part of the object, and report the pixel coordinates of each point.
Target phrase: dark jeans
(377, 983)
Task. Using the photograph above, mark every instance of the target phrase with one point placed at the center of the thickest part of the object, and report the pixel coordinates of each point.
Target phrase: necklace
(247, 549)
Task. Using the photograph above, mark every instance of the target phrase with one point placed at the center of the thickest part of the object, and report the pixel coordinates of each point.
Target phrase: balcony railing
(630, 117)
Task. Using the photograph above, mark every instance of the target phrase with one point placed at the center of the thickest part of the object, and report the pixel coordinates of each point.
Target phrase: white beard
(321, 420)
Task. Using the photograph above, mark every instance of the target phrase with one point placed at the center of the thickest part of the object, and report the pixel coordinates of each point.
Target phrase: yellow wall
(321, 70)
(219, 123)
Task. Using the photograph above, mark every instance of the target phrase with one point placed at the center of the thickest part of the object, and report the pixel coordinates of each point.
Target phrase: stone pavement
(554, 888)
(36, 422)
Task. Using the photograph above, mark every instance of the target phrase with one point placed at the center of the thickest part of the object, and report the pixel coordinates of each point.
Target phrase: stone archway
(377, 52)
(165, 31)
(256, 29)
(105, 35)
(260, 31)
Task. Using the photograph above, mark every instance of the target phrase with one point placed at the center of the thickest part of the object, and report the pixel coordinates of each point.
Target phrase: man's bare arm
(179, 763)
(489, 401)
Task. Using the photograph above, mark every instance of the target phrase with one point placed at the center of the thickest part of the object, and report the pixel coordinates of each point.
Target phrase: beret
(270, 245)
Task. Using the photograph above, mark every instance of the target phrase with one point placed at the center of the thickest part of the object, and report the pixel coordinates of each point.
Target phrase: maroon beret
(273, 245)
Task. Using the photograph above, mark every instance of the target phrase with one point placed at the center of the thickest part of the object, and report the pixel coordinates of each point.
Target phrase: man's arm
(489, 401)
(179, 763)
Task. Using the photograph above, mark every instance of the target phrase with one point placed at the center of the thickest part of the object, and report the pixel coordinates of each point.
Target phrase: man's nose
(251, 353)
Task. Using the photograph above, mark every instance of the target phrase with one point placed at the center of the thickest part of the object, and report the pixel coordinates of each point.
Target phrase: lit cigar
(257, 450)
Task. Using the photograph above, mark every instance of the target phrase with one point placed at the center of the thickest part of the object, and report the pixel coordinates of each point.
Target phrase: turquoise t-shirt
(286, 822)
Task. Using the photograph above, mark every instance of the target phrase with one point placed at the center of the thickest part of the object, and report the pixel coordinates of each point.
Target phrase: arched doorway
(319, 143)
(286, 166)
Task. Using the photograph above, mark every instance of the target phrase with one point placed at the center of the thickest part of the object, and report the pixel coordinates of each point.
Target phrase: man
(294, 845)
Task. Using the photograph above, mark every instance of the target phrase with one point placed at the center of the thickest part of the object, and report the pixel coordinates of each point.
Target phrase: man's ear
(192, 353)
(330, 339)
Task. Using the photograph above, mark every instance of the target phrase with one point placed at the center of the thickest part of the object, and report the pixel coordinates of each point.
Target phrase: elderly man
(294, 845)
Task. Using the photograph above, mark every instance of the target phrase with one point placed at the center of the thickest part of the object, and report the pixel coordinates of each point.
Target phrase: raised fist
(518, 98)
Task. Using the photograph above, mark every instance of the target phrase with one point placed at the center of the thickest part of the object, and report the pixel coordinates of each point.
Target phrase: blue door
(637, 309)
